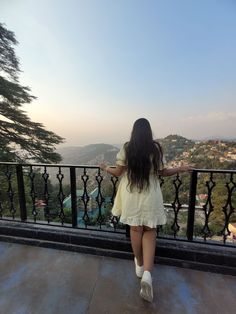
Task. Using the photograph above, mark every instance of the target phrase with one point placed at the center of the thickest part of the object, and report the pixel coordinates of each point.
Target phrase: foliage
(20, 138)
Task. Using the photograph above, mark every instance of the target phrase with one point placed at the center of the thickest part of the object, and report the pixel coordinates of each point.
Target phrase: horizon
(118, 145)
(96, 67)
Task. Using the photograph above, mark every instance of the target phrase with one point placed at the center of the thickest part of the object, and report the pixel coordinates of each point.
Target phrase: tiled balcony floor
(48, 281)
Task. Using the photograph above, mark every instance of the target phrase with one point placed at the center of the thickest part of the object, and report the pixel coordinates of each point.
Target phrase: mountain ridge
(175, 147)
(93, 154)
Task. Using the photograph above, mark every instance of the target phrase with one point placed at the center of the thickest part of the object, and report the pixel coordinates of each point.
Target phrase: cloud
(219, 116)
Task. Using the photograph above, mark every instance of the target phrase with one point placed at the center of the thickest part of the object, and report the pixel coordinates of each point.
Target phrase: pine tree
(20, 138)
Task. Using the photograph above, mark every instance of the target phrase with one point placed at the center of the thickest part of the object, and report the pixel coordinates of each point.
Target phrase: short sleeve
(121, 157)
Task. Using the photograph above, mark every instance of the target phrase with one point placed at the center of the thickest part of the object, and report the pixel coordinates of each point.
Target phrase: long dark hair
(142, 153)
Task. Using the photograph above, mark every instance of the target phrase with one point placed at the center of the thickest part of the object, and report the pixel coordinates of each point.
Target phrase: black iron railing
(200, 205)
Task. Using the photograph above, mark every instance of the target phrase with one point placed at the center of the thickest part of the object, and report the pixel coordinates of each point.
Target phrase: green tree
(20, 138)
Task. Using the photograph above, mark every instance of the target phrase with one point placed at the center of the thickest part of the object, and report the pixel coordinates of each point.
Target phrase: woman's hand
(186, 168)
(114, 171)
(166, 172)
(103, 166)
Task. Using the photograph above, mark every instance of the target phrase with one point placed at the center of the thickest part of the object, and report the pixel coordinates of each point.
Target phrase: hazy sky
(98, 65)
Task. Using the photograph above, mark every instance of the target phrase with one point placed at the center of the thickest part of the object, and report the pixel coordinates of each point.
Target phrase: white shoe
(146, 291)
(138, 269)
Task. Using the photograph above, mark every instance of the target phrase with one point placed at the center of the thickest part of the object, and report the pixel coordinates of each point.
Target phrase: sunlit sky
(98, 65)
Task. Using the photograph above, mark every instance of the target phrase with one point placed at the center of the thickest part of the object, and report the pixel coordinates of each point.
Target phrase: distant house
(222, 159)
(232, 156)
(186, 154)
(201, 199)
(40, 203)
(232, 229)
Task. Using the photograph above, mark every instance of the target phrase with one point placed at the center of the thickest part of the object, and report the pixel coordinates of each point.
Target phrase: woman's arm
(117, 171)
(166, 172)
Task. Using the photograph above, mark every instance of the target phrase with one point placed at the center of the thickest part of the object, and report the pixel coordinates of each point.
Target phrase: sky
(98, 65)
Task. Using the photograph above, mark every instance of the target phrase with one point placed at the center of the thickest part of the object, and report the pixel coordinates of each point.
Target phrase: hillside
(177, 150)
(174, 145)
(91, 154)
(211, 155)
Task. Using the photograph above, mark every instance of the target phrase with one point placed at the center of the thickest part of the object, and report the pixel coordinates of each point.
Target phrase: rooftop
(44, 280)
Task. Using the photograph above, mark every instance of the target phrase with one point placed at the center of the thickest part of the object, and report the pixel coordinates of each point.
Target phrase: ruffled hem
(144, 222)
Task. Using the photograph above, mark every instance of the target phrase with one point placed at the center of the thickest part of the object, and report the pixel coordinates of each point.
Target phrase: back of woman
(143, 155)
(139, 201)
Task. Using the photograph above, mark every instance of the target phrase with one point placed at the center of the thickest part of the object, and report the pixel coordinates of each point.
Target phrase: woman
(139, 201)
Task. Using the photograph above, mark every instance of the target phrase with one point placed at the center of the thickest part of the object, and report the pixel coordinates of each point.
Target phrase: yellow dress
(136, 208)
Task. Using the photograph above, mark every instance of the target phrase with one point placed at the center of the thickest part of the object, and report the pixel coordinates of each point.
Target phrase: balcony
(195, 255)
(48, 281)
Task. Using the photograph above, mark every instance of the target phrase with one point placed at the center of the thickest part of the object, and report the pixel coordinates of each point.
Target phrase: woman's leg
(136, 233)
(149, 246)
